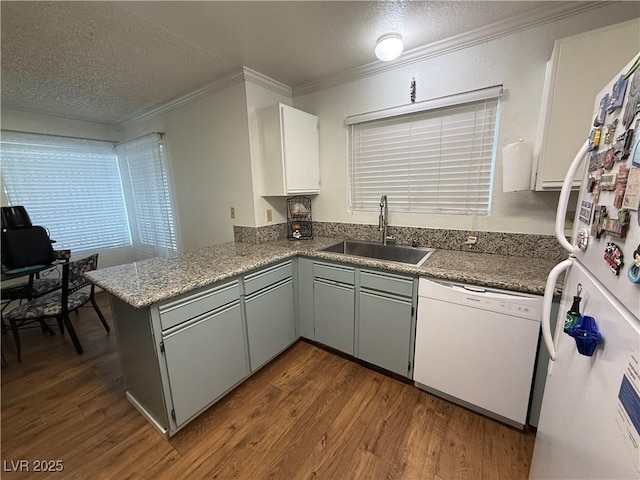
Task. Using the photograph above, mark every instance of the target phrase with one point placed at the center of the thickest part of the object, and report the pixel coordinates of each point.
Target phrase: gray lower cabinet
(205, 357)
(365, 313)
(384, 331)
(334, 308)
(386, 320)
(182, 355)
(270, 322)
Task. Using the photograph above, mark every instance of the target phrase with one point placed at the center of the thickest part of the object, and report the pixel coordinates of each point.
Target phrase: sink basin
(415, 256)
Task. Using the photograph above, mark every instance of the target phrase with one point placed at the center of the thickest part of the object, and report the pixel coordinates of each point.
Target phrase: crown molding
(214, 87)
(257, 78)
(468, 39)
(245, 75)
(53, 116)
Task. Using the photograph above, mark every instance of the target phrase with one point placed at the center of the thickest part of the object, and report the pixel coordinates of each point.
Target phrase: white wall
(517, 61)
(259, 97)
(208, 145)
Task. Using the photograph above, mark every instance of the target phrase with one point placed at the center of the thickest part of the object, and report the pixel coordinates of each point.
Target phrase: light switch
(269, 215)
(233, 212)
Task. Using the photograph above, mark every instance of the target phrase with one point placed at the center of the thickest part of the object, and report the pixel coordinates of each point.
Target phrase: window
(71, 186)
(93, 196)
(145, 178)
(433, 157)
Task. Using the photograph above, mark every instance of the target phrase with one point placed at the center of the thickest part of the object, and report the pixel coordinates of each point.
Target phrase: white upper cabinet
(290, 159)
(579, 68)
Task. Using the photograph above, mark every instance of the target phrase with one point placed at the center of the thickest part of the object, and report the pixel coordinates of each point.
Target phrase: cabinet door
(333, 308)
(384, 331)
(205, 357)
(301, 151)
(569, 95)
(270, 322)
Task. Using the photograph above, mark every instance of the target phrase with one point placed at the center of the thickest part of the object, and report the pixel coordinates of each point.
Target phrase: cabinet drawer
(338, 273)
(177, 311)
(267, 276)
(385, 282)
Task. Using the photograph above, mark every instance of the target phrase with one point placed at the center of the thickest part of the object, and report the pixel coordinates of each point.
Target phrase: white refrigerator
(589, 425)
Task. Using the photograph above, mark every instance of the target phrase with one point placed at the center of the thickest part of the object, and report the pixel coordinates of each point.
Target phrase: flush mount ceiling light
(389, 47)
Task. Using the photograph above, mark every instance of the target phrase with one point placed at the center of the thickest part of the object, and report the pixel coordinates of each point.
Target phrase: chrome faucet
(383, 218)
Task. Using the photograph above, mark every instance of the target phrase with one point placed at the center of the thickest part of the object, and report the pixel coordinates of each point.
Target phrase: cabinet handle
(269, 289)
(199, 319)
(267, 271)
(334, 267)
(386, 276)
(331, 283)
(388, 296)
(195, 298)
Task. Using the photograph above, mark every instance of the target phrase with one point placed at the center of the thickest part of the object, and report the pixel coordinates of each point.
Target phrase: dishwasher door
(477, 347)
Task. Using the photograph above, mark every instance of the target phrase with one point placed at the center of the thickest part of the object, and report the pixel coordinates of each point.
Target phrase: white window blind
(145, 178)
(434, 161)
(70, 186)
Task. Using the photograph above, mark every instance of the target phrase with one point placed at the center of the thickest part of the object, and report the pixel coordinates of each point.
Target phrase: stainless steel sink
(415, 256)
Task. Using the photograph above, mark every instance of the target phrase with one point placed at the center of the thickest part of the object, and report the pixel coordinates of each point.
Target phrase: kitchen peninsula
(193, 326)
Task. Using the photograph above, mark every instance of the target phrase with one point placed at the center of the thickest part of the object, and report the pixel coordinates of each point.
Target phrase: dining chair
(59, 303)
(35, 286)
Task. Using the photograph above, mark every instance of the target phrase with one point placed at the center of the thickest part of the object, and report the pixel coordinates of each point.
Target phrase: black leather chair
(59, 303)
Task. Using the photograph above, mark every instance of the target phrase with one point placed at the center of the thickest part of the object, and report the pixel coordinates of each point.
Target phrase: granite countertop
(143, 283)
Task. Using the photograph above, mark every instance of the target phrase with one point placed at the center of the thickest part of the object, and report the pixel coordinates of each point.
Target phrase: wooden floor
(308, 415)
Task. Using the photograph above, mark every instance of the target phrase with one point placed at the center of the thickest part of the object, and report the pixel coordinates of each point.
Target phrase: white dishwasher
(477, 347)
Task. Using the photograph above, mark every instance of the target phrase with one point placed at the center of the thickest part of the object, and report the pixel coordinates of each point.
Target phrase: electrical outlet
(471, 240)
(233, 212)
(269, 215)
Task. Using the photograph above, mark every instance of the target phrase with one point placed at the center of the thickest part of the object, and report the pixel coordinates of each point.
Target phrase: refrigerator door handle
(546, 308)
(564, 197)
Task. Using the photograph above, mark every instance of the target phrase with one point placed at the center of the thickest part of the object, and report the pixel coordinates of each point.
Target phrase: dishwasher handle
(481, 292)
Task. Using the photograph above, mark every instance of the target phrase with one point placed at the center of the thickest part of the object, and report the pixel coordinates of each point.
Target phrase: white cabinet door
(579, 67)
(205, 358)
(301, 151)
(290, 158)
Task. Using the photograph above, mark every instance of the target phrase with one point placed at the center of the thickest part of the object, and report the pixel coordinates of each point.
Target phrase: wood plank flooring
(307, 415)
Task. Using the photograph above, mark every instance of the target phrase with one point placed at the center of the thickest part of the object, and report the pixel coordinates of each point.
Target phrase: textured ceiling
(107, 61)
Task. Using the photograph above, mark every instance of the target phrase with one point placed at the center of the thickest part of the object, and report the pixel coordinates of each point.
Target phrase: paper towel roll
(516, 166)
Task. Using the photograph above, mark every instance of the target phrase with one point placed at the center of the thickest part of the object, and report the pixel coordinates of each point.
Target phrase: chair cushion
(49, 305)
(44, 285)
(40, 286)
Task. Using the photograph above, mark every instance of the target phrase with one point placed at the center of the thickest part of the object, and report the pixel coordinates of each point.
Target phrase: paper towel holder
(517, 159)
